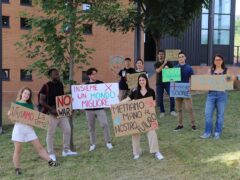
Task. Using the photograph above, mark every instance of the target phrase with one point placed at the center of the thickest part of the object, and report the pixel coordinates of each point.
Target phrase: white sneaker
(173, 113)
(162, 114)
(68, 153)
(136, 157)
(109, 146)
(53, 157)
(92, 147)
(159, 156)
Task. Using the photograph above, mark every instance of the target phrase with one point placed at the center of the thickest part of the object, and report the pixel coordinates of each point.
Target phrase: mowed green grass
(186, 155)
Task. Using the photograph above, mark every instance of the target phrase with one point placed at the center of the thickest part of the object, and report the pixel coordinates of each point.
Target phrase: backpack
(40, 106)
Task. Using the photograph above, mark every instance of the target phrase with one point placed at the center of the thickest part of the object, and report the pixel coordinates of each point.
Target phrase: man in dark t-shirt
(98, 113)
(123, 87)
(161, 86)
(48, 94)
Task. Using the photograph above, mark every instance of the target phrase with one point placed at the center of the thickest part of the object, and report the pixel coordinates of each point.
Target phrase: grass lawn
(186, 155)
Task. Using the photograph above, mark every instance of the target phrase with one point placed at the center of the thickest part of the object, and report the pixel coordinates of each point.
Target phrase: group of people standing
(25, 133)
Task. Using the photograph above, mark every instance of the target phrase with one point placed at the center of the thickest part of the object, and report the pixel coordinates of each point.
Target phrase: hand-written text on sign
(211, 82)
(91, 96)
(180, 90)
(132, 80)
(171, 74)
(28, 116)
(172, 54)
(134, 117)
(64, 105)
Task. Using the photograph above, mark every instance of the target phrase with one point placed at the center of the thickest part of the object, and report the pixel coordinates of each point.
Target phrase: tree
(56, 39)
(157, 17)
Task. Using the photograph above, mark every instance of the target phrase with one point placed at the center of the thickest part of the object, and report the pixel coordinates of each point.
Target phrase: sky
(238, 7)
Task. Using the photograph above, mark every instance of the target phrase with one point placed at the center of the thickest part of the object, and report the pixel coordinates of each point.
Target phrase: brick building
(110, 49)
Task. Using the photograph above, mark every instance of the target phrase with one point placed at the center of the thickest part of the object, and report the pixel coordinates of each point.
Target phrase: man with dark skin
(48, 94)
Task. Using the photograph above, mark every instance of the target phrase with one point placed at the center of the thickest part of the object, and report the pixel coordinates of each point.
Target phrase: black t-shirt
(159, 75)
(123, 74)
(137, 95)
(54, 89)
(96, 82)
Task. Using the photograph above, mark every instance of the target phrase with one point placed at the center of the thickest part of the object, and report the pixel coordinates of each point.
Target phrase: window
(86, 6)
(221, 37)
(24, 23)
(5, 74)
(5, 21)
(204, 26)
(25, 75)
(85, 77)
(87, 29)
(26, 2)
(5, 1)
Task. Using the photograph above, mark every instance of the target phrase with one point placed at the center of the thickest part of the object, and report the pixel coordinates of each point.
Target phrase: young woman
(215, 100)
(25, 133)
(143, 90)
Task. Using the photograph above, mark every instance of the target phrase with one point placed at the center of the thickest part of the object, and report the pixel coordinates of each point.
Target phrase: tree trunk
(157, 46)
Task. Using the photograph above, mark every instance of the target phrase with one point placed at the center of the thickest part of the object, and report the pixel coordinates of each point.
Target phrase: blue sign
(180, 90)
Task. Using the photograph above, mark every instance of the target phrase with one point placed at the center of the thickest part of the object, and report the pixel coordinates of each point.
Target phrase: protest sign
(28, 116)
(180, 90)
(90, 96)
(64, 105)
(171, 74)
(132, 79)
(172, 54)
(211, 82)
(134, 117)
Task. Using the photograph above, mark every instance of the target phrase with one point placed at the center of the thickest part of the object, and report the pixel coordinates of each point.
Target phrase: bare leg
(16, 154)
(40, 149)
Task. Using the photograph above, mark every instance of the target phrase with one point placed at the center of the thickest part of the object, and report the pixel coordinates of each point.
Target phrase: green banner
(171, 74)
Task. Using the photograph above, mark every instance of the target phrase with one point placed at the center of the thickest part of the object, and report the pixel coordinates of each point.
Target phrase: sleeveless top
(224, 72)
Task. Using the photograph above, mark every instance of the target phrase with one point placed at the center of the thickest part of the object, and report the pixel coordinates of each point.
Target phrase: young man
(98, 113)
(159, 66)
(48, 94)
(123, 87)
(186, 72)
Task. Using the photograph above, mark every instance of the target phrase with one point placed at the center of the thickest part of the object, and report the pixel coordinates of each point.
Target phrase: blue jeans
(160, 92)
(215, 100)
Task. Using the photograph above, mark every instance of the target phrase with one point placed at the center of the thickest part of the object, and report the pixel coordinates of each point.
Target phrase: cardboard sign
(64, 105)
(134, 117)
(211, 82)
(172, 54)
(171, 74)
(180, 90)
(91, 96)
(132, 79)
(28, 116)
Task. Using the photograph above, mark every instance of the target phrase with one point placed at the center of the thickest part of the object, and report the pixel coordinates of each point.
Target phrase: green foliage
(55, 39)
(158, 17)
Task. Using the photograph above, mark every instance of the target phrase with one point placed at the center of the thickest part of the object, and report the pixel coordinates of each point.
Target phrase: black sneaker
(18, 171)
(178, 128)
(194, 128)
(53, 163)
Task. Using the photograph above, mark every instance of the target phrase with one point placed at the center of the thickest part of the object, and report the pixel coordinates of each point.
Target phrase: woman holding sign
(25, 133)
(142, 91)
(215, 100)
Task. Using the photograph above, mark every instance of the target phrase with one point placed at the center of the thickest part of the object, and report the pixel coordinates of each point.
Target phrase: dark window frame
(5, 74)
(87, 31)
(85, 77)
(29, 3)
(24, 76)
(5, 1)
(24, 23)
(8, 23)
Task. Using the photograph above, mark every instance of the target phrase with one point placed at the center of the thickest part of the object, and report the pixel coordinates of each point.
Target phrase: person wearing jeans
(215, 100)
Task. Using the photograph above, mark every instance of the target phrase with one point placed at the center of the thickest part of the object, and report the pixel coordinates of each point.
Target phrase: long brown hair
(19, 97)
(213, 64)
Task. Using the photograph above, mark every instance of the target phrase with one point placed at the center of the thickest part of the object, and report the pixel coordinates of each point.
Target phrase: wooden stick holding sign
(64, 105)
(172, 54)
(171, 74)
(134, 117)
(132, 80)
(211, 82)
(28, 116)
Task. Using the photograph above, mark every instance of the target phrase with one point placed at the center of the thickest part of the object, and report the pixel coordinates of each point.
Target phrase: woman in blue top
(25, 133)
(215, 100)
